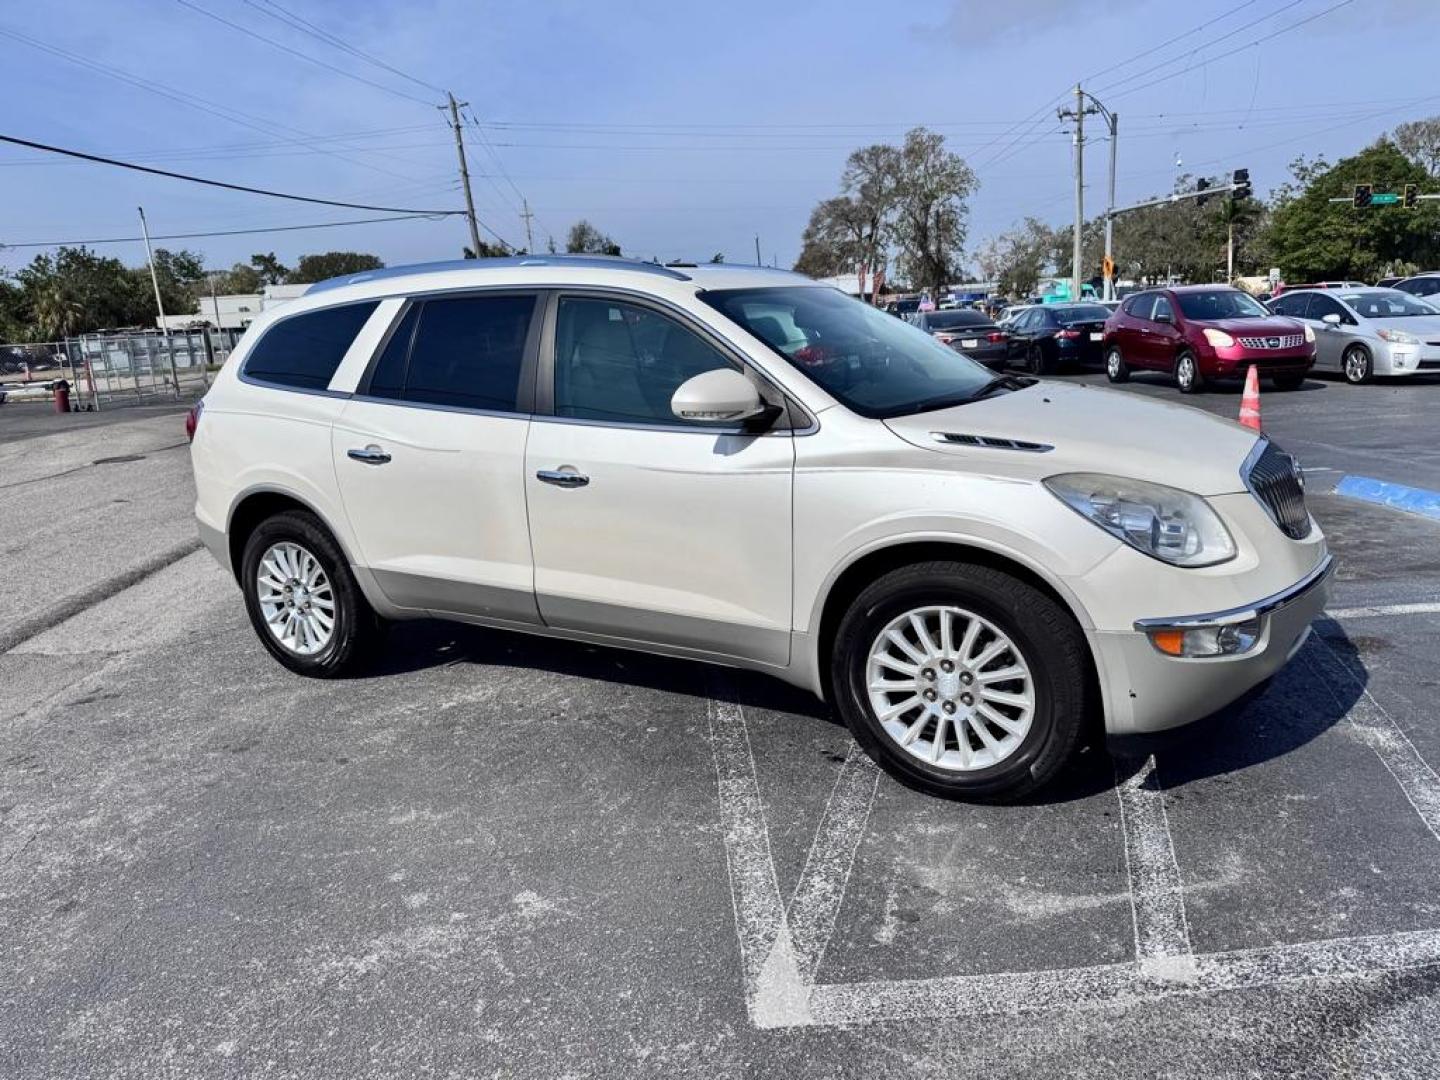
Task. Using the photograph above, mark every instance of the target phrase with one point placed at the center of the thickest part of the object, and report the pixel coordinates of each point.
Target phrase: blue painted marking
(1396, 496)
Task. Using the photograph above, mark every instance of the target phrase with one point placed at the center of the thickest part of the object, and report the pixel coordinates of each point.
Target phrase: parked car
(1047, 338)
(1361, 333)
(1425, 286)
(1328, 285)
(1201, 333)
(1009, 314)
(906, 305)
(967, 331)
(742, 465)
(1388, 282)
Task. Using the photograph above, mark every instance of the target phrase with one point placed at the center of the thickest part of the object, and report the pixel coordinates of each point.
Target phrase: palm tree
(55, 312)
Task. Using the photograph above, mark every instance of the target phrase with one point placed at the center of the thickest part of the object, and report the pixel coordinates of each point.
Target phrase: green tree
(718, 257)
(240, 278)
(586, 239)
(1314, 239)
(181, 276)
(272, 270)
(330, 264)
(487, 251)
(75, 291)
(1015, 260)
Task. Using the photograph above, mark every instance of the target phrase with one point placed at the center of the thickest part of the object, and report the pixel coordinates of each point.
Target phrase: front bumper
(1151, 691)
(1233, 361)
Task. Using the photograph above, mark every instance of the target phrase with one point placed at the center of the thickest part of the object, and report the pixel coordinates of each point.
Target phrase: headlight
(1309, 333)
(1398, 337)
(1165, 523)
(1219, 338)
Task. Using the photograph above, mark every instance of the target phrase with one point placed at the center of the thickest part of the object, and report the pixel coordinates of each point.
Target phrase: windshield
(1220, 304)
(1387, 304)
(876, 365)
(946, 320)
(1081, 313)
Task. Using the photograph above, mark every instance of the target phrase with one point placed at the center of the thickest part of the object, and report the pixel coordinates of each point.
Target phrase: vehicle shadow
(1296, 706)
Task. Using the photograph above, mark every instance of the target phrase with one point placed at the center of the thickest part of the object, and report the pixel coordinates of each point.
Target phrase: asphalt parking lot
(502, 856)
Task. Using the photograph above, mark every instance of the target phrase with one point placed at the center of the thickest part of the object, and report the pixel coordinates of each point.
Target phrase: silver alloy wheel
(1185, 371)
(1357, 364)
(296, 598)
(1112, 363)
(950, 688)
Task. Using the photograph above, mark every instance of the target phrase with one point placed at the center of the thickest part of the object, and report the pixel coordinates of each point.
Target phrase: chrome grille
(1274, 478)
(1273, 341)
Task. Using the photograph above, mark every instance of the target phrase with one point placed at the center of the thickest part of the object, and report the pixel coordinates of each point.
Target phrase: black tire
(1053, 648)
(1116, 370)
(1035, 362)
(1289, 382)
(357, 629)
(1357, 365)
(1187, 373)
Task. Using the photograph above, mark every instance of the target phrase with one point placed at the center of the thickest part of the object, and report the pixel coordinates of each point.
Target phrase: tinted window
(1425, 286)
(1294, 305)
(622, 362)
(875, 365)
(465, 351)
(304, 350)
(1082, 313)
(1162, 309)
(945, 320)
(1220, 304)
(1140, 305)
(1320, 306)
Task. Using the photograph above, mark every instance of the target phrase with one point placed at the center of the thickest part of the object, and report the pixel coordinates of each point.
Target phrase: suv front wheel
(302, 598)
(961, 680)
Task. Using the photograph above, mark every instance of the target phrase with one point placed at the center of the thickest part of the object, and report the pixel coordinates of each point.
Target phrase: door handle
(370, 455)
(566, 478)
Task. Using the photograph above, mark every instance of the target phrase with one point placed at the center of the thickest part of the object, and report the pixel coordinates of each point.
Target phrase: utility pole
(1114, 119)
(454, 108)
(159, 304)
(1078, 115)
(758, 260)
(527, 215)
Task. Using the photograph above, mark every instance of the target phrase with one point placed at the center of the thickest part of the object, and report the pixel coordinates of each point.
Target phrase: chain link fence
(116, 369)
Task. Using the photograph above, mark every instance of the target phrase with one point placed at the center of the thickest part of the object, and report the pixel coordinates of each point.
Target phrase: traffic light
(1363, 192)
(1240, 184)
(1201, 185)
(1412, 195)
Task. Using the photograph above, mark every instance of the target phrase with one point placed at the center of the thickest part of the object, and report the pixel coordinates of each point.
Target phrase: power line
(1171, 41)
(223, 232)
(296, 52)
(275, 11)
(194, 101)
(219, 183)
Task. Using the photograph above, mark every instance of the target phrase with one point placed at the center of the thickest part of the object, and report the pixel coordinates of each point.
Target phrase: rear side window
(303, 351)
(465, 352)
(1162, 309)
(1140, 306)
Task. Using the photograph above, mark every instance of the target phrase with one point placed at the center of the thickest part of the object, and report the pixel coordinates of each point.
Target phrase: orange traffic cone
(1250, 402)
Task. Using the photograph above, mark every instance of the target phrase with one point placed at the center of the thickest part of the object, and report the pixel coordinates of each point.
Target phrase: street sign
(1384, 198)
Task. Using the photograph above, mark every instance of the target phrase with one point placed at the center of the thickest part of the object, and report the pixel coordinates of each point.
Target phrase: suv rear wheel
(1116, 370)
(302, 598)
(961, 680)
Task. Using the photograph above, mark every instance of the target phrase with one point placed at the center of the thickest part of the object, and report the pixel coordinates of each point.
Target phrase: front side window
(875, 365)
(1320, 306)
(623, 363)
(304, 350)
(462, 352)
(1212, 304)
(1293, 305)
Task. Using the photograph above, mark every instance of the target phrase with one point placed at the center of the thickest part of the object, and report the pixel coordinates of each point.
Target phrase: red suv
(1204, 332)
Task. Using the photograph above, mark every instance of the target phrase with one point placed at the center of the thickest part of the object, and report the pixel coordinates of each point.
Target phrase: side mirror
(1331, 320)
(722, 394)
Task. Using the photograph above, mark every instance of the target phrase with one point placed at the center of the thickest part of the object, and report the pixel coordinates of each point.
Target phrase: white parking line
(1380, 732)
(1157, 895)
(821, 887)
(1374, 610)
(781, 949)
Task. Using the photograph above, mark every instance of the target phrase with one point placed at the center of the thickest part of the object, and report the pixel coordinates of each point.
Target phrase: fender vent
(990, 442)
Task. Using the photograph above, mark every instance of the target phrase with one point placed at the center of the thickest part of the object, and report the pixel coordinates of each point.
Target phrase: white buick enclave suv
(739, 465)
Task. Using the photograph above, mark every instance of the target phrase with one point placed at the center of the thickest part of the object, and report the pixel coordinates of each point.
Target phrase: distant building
(234, 311)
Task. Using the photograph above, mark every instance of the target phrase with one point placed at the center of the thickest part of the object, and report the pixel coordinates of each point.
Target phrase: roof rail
(587, 262)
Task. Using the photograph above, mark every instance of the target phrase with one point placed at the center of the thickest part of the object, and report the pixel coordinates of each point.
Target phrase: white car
(739, 465)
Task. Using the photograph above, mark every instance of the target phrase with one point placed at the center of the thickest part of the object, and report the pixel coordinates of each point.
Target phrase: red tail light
(192, 419)
(944, 339)
(995, 336)
(1068, 334)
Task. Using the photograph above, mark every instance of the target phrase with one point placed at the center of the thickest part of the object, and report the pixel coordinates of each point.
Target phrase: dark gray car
(971, 332)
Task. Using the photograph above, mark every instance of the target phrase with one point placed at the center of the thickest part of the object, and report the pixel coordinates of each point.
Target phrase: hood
(1424, 327)
(1090, 430)
(1275, 325)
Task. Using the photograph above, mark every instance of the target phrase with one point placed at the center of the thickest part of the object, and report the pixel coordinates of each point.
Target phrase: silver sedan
(1361, 333)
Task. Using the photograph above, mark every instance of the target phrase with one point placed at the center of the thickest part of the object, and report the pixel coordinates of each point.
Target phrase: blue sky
(680, 128)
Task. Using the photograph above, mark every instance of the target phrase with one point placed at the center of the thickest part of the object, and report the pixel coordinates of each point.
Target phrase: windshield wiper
(1014, 382)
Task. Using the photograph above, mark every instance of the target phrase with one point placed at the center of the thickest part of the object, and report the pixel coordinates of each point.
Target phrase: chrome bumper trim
(1250, 611)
